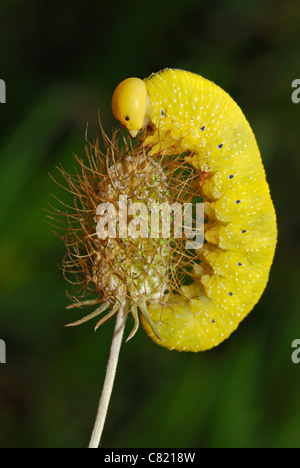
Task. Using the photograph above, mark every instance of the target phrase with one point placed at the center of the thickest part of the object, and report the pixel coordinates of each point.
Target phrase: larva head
(129, 104)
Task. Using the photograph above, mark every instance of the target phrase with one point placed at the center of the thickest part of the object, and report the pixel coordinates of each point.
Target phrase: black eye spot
(231, 176)
(230, 294)
(244, 231)
(221, 145)
(127, 118)
(238, 202)
(212, 321)
(162, 113)
(202, 128)
(239, 264)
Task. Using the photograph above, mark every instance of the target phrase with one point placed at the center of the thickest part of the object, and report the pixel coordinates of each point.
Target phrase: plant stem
(110, 375)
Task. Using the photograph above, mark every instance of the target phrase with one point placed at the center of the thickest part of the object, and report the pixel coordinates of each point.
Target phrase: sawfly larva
(189, 114)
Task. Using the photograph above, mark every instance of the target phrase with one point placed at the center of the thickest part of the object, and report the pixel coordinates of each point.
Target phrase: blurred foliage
(61, 62)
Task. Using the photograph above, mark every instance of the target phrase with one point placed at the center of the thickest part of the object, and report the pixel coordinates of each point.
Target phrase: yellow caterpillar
(189, 113)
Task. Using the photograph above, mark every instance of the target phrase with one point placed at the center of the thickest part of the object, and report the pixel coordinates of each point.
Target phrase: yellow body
(195, 115)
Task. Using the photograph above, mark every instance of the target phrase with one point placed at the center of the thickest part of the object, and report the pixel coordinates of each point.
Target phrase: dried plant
(117, 271)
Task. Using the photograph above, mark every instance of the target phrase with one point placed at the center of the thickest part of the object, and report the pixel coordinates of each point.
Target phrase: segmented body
(195, 115)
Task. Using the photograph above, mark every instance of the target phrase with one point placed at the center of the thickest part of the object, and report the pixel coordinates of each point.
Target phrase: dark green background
(61, 62)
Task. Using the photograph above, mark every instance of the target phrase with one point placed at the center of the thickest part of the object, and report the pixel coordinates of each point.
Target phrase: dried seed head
(116, 244)
(125, 266)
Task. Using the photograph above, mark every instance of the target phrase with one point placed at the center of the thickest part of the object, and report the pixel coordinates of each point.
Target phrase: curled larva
(190, 114)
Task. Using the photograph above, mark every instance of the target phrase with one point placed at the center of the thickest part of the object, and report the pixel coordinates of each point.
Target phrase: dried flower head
(124, 231)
